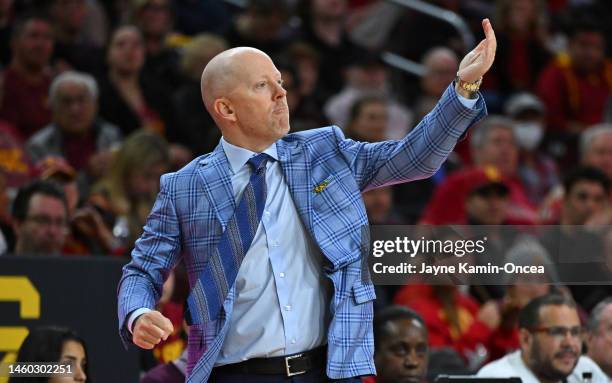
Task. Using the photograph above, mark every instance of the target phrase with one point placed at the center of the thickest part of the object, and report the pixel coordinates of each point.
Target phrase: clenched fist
(150, 328)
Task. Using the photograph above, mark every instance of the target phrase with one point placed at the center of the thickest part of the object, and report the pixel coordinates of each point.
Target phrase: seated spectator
(262, 25)
(154, 18)
(15, 163)
(25, 83)
(520, 28)
(379, 206)
(494, 151)
(596, 151)
(453, 319)
(40, 219)
(54, 345)
(126, 194)
(599, 336)
(126, 98)
(520, 290)
(368, 119)
(440, 65)
(367, 75)
(575, 242)
(550, 346)
(75, 132)
(400, 346)
(324, 28)
(575, 88)
(7, 236)
(537, 170)
(194, 127)
(74, 49)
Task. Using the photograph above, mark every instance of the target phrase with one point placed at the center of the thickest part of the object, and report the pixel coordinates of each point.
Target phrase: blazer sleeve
(418, 155)
(155, 253)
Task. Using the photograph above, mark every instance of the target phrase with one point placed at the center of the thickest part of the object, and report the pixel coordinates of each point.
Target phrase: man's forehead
(558, 315)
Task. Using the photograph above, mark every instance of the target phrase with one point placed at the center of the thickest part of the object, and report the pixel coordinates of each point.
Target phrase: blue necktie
(219, 273)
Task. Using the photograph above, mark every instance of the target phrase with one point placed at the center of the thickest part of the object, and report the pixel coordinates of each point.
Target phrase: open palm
(478, 61)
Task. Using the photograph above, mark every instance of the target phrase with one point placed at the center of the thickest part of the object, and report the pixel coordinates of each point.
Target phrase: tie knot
(258, 162)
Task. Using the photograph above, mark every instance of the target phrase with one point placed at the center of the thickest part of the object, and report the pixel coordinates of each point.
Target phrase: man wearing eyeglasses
(550, 340)
(40, 214)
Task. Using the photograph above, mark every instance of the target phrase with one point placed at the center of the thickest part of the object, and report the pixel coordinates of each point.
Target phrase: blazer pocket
(363, 293)
(329, 192)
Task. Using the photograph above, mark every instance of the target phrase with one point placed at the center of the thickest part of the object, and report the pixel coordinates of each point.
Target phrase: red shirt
(572, 96)
(24, 104)
(472, 332)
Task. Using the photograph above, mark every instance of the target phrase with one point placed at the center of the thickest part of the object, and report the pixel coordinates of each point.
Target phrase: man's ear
(525, 338)
(224, 110)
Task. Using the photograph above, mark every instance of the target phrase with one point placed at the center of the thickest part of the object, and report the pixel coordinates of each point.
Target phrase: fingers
(150, 329)
(491, 45)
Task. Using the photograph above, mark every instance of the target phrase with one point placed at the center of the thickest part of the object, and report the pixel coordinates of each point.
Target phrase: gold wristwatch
(471, 87)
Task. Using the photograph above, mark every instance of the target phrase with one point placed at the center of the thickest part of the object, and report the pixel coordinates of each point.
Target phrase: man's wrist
(464, 92)
(134, 316)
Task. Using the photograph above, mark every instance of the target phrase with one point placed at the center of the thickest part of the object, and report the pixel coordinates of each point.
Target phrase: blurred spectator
(6, 25)
(126, 194)
(154, 19)
(323, 27)
(575, 87)
(520, 27)
(537, 170)
(494, 151)
(54, 345)
(379, 206)
(15, 163)
(193, 17)
(595, 151)
(487, 200)
(366, 75)
(7, 236)
(87, 232)
(401, 348)
(445, 361)
(40, 218)
(574, 242)
(520, 290)
(599, 336)
(73, 51)
(126, 98)
(309, 110)
(453, 318)
(25, 83)
(263, 25)
(370, 22)
(440, 65)
(194, 127)
(75, 132)
(550, 346)
(368, 119)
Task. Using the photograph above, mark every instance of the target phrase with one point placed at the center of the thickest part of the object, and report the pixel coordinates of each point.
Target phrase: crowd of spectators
(100, 98)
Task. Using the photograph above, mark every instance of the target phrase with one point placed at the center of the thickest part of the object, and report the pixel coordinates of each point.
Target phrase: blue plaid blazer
(196, 203)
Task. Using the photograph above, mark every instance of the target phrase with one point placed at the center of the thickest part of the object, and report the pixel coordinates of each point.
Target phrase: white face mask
(528, 134)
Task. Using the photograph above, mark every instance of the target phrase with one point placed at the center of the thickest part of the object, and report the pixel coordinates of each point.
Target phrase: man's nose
(279, 91)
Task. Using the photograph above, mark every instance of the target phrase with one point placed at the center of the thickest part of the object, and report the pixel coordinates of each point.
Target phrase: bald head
(223, 72)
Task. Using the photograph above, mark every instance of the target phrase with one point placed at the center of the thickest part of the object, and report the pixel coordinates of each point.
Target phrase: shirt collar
(238, 156)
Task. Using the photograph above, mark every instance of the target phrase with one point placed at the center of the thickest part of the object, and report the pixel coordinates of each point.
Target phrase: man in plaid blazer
(315, 179)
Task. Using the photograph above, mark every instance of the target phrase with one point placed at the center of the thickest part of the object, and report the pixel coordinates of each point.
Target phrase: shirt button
(274, 243)
(293, 341)
(288, 308)
(282, 275)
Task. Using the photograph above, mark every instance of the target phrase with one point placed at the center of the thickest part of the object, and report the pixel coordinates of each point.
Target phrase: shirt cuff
(467, 102)
(134, 315)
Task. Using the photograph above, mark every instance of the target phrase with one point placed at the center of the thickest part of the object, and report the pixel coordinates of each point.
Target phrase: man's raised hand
(477, 62)
(150, 328)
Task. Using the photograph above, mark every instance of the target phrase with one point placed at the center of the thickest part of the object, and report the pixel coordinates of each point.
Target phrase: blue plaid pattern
(220, 272)
(196, 203)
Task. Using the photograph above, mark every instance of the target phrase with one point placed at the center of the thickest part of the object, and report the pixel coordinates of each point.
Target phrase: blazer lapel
(214, 171)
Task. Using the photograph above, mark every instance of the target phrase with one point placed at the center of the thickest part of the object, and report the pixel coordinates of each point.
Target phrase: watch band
(468, 86)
